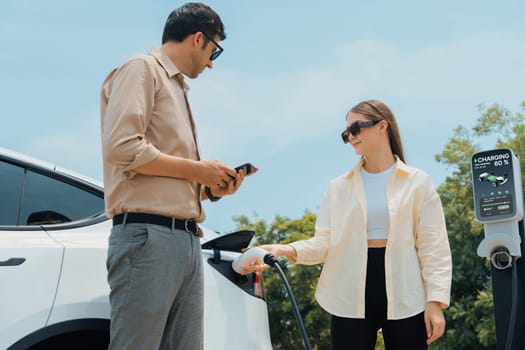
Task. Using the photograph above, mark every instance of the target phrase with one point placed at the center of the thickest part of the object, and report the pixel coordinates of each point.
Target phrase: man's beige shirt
(144, 111)
(418, 262)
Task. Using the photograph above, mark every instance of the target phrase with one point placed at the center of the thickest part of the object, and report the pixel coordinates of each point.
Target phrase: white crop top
(378, 221)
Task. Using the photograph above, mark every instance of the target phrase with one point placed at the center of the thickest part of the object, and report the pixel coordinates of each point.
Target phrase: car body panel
(27, 290)
(85, 257)
(224, 329)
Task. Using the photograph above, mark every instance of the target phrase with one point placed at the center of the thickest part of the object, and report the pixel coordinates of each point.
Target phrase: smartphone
(247, 167)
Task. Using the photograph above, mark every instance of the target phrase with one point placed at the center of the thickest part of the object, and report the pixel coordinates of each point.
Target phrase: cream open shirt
(418, 264)
(144, 111)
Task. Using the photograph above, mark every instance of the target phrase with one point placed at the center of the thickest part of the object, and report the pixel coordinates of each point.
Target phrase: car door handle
(12, 262)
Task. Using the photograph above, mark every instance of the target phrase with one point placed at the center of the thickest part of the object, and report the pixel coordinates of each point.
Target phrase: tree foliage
(470, 319)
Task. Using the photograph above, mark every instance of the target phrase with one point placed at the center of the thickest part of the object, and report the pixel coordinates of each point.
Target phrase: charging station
(498, 203)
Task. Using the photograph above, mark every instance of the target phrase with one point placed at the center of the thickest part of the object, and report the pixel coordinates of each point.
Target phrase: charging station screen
(493, 184)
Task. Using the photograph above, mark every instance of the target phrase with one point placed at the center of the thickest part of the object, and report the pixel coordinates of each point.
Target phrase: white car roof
(20, 158)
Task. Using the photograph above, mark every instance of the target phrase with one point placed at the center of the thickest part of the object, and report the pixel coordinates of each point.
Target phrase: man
(154, 183)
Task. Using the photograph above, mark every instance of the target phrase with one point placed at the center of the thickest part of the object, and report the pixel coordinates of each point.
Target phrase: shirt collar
(401, 168)
(169, 67)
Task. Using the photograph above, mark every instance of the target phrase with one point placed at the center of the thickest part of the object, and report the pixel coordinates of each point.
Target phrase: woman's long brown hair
(377, 110)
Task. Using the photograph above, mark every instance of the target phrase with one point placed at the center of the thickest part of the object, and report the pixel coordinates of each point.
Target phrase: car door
(30, 262)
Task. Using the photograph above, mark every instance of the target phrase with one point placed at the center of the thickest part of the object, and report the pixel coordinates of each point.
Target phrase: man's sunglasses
(217, 52)
(355, 128)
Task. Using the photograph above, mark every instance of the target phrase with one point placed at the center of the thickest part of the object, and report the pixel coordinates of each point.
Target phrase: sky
(278, 95)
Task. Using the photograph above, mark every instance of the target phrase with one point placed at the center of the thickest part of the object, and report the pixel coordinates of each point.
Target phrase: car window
(11, 178)
(50, 201)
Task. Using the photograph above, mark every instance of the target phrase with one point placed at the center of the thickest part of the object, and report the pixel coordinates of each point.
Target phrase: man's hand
(214, 174)
(434, 321)
(231, 185)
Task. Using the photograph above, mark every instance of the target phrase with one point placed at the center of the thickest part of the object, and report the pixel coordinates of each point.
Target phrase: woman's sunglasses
(355, 128)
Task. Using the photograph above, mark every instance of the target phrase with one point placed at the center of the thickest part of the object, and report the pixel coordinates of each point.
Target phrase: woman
(382, 237)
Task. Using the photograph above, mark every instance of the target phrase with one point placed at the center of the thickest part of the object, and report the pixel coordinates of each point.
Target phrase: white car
(493, 179)
(53, 288)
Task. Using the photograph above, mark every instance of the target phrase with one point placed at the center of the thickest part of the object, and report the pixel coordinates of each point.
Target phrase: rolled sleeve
(126, 116)
(312, 251)
(434, 250)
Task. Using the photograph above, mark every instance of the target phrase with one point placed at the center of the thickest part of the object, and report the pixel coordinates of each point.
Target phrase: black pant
(361, 334)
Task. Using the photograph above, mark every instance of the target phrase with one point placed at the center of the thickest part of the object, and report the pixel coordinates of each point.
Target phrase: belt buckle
(187, 228)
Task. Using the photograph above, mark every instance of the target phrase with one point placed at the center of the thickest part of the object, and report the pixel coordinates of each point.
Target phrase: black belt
(187, 225)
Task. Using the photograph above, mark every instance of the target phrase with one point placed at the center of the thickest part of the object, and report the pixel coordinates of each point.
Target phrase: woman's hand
(278, 250)
(434, 321)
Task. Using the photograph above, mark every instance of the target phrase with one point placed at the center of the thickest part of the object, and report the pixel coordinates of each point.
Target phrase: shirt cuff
(442, 298)
(293, 259)
(149, 154)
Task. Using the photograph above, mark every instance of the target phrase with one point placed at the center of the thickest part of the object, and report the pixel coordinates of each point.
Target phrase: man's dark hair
(191, 18)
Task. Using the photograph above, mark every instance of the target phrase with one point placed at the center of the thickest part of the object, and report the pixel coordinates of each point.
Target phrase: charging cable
(512, 321)
(255, 254)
